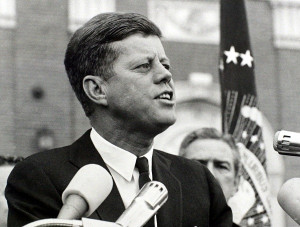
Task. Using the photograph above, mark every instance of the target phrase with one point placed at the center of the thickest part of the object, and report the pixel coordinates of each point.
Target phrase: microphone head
(287, 143)
(289, 198)
(154, 193)
(93, 183)
(147, 202)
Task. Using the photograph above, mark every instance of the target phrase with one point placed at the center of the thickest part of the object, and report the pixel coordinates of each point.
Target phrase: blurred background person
(6, 165)
(218, 153)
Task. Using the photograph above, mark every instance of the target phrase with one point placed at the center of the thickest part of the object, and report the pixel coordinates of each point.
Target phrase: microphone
(147, 202)
(287, 143)
(85, 222)
(86, 191)
(289, 198)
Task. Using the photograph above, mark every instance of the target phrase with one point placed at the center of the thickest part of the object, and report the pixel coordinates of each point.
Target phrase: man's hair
(10, 160)
(212, 133)
(90, 50)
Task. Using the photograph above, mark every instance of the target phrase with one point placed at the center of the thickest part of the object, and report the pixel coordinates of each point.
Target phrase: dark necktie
(143, 168)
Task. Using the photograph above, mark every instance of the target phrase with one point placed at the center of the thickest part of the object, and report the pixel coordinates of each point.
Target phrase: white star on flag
(247, 59)
(254, 139)
(262, 146)
(244, 135)
(231, 55)
(259, 208)
(250, 221)
(264, 219)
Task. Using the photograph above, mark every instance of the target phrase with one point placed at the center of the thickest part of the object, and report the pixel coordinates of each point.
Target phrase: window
(187, 21)
(286, 20)
(7, 13)
(81, 11)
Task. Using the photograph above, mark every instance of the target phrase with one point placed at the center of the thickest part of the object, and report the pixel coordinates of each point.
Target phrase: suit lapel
(84, 153)
(170, 213)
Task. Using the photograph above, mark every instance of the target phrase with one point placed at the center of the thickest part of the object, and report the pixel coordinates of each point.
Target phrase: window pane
(81, 11)
(186, 21)
(286, 20)
(7, 13)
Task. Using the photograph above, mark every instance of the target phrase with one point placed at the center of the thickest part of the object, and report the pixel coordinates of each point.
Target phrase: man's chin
(166, 124)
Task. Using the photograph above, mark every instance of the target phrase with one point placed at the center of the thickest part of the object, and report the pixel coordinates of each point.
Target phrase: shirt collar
(122, 161)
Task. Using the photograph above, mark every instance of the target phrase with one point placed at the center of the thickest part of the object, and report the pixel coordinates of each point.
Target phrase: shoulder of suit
(47, 161)
(179, 159)
(59, 151)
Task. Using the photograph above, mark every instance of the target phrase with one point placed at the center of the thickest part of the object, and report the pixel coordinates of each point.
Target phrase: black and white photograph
(154, 113)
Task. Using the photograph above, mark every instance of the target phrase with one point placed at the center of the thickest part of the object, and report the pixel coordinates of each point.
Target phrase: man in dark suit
(120, 73)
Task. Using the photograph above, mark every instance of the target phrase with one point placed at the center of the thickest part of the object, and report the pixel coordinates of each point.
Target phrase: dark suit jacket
(36, 184)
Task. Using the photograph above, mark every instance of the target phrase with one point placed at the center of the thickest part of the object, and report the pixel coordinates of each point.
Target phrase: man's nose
(162, 75)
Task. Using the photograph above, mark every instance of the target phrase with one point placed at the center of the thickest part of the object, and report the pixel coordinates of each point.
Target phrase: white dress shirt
(121, 165)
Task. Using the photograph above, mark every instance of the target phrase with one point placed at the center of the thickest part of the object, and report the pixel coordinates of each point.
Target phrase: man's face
(217, 156)
(141, 93)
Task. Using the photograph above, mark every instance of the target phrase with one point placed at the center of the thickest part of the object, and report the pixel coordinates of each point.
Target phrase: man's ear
(95, 88)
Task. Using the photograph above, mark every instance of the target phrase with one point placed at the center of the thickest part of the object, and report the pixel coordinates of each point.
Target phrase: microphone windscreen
(93, 183)
(145, 205)
(289, 198)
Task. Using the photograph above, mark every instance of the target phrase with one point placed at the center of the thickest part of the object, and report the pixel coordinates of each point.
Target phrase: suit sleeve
(220, 212)
(30, 195)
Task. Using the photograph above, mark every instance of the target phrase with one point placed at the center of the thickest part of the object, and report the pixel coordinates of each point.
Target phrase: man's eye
(166, 66)
(144, 66)
(222, 166)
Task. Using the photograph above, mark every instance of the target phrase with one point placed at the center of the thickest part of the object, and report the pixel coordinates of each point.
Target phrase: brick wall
(32, 58)
(7, 91)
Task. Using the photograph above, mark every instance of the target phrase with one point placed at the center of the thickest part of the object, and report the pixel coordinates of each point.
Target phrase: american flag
(240, 113)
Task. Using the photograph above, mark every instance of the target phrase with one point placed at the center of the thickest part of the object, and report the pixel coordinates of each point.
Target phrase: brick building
(39, 109)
